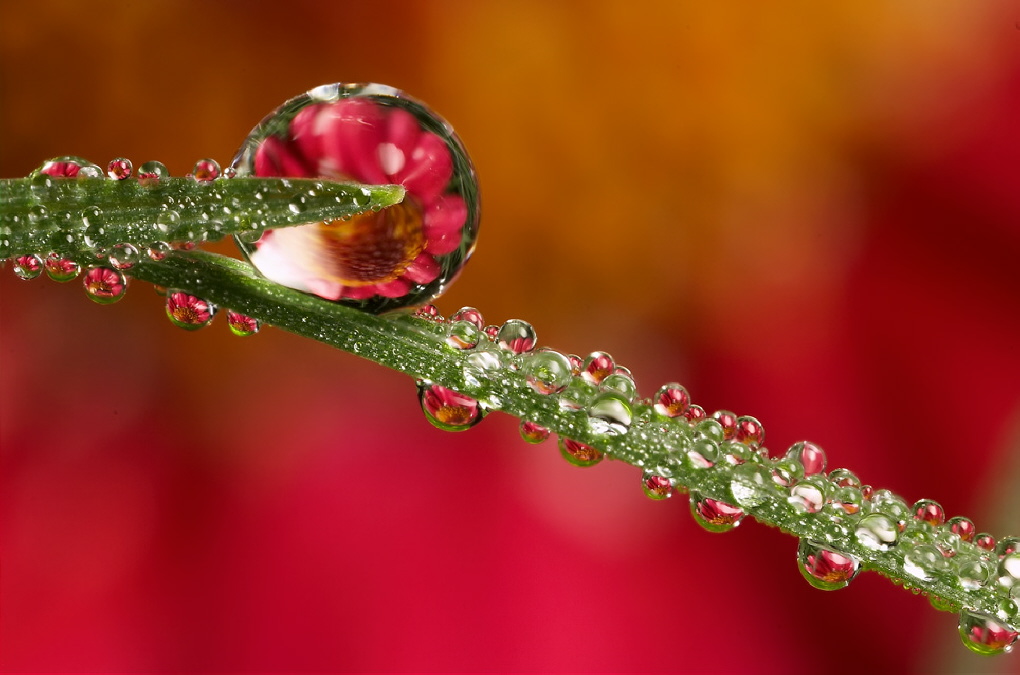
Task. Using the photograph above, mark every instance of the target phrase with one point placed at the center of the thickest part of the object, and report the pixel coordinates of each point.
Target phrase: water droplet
(703, 454)
(230, 172)
(1007, 545)
(924, 562)
(89, 171)
(787, 471)
(891, 505)
(37, 214)
(576, 396)
(471, 315)
(188, 311)
(620, 383)
(447, 409)
(810, 494)
(67, 166)
(382, 259)
(671, 400)
(158, 251)
(877, 532)
(547, 371)
(298, 205)
(1009, 570)
(844, 478)
(168, 221)
(597, 367)
(609, 414)
(695, 414)
(984, 634)
(119, 168)
(710, 429)
(656, 487)
(242, 325)
(985, 541)
(532, 432)
(463, 335)
(728, 421)
(826, 568)
(104, 285)
(749, 431)
(27, 267)
(578, 453)
(929, 511)
(846, 501)
(123, 256)
(516, 336)
(809, 455)
(151, 173)
(972, 572)
(713, 515)
(962, 527)
(61, 269)
(206, 170)
(751, 485)
(429, 313)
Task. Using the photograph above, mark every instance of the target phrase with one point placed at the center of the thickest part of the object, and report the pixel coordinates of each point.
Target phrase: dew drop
(151, 173)
(983, 634)
(962, 527)
(597, 367)
(786, 472)
(428, 312)
(158, 251)
(620, 383)
(188, 311)
(516, 336)
(609, 414)
(447, 409)
(168, 220)
(89, 171)
(37, 214)
(27, 267)
(547, 371)
(462, 335)
(471, 315)
(809, 455)
(1009, 570)
(576, 396)
(671, 400)
(713, 515)
(703, 454)
(123, 256)
(61, 269)
(844, 478)
(749, 431)
(1007, 545)
(929, 511)
(242, 325)
(655, 486)
(972, 572)
(810, 494)
(104, 285)
(695, 414)
(984, 541)
(826, 568)
(578, 453)
(890, 504)
(532, 432)
(119, 168)
(728, 421)
(924, 562)
(92, 219)
(710, 429)
(876, 532)
(751, 485)
(846, 501)
(206, 170)
(298, 205)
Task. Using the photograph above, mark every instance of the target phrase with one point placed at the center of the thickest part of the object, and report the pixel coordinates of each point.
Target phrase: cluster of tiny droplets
(878, 520)
(107, 283)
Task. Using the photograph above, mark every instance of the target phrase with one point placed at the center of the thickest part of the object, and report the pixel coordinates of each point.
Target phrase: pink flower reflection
(384, 253)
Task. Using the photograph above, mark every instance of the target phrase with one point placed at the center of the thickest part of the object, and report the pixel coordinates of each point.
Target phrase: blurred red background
(808, 213)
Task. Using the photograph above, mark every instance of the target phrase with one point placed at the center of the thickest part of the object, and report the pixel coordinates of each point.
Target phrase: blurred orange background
(805, 212)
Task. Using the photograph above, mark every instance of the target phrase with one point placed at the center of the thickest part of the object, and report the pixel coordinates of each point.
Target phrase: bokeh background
(808, 212)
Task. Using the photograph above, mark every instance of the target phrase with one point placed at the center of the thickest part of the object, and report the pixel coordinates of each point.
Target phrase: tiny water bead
(104, 285)
(656, 487)
(671, 400)
(547, 371)
(826, 568)
(242, 325)
(578, 453)
(119, 168)
(377, 261)
(714, 515)
(27, 267)
(206, 170)
(984, 634)
(188, 311)
(532, 432)
(61, 269)
(447, 409)
(516, 336)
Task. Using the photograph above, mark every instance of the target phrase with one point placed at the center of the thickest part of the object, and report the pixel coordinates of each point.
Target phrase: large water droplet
(826, 568)
(810, 494)
(482, 364)
(609, 414)
(119, 168)
(924, 562)
(151, 173)
(728, 421)
(447, 409)
(749, 431)
(27, 267)
(597, 367)
(984, 634)
(576, 396)
(579, 454)
(188, 311)
(380, 260)
(532, 432)
(242, 325)
(104, 285)
(158, 251)
(671, 400)
(751, 484)
(713, 515)
(656, 486)
(962, 527)
(546, 371)
(463, 335)
(972, 572)
(620, 383)
(516, 336)
(809, 455)
(123, 256)
(61, 269)
(471, 315)
(929, 511)
(1009, 570)
(206, 170)
(877, 532)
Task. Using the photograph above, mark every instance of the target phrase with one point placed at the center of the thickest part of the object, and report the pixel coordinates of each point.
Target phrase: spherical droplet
(787, 471)
(462, 335)
(751, 484)
(703, 454)
(929, 511)
(532, 432)
(728, 421)
(876, 532)
(892, 505)
(972, 572)
(749, 431)
(713, 515)
(844, 478)
(609, 414)
(671, 400)
(151, 173)
(1007, 545)
(846, 501)
(158, 251)
(826, 568)
(695, 414)
(985, 541)
(188, 311)
(924, 562)
(61, 269)
(104, 285)
(656, 487)
(471, 315)
(123, 256)
(710, 429)
(27, 267)
(119, 169)
(810, 494)
(447, 409)
(516, 336)
(619, 383)
(428, 312)
(962, 527)
(984, 634)
(378, 260)
(578, 453)
(597, 367)
(1009, 570)
(810, 456)
(547, 371)
(168, 221)
(242, 325)
(206, 170)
